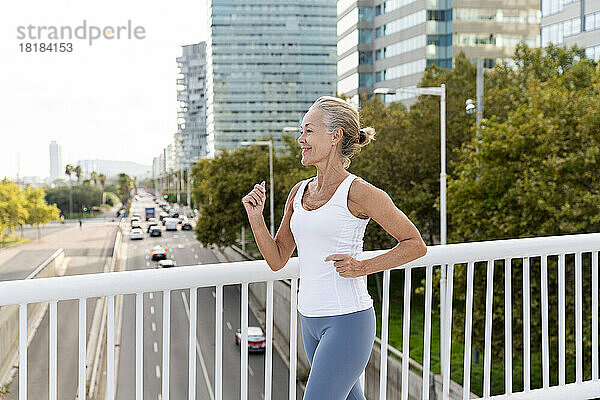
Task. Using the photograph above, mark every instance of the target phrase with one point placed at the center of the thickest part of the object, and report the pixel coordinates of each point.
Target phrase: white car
(168, 263)
(171, 224)
(256, 338)
(136, 233)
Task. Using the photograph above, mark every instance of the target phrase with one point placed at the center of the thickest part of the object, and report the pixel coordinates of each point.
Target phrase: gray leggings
(338, 349)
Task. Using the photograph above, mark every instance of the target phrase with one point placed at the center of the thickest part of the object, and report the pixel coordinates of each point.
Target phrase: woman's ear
(337, 135)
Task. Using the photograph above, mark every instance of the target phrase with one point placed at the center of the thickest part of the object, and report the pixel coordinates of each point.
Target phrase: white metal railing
(139, 282)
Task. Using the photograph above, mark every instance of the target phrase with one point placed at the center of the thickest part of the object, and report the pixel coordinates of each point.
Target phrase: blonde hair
(341, 114)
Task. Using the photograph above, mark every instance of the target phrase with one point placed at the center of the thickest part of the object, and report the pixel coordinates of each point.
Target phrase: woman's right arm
(278, 251)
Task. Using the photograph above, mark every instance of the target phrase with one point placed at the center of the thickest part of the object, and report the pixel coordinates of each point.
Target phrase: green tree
(39, 212)
(124, 187)
(78, 172)
(13, 212)
(533, 172)
(102, 180)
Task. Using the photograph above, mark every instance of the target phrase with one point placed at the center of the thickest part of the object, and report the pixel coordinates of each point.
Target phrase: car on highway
(171, 224)
(155, 231)
(150, 225)
(256, 338)
(136, 233)
(159, 253)
(166, 263)
(136, 224)
(162, 216)
(186, 225)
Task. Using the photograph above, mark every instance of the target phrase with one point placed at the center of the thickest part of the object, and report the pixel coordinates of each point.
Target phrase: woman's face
(317, 144)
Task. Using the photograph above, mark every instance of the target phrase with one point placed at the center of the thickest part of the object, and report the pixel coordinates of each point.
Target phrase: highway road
(186, 250)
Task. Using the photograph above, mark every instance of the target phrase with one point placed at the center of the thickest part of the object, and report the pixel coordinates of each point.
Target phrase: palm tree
(78, 173)
(102, 179)
(125, 187)
(94, 177)
(68, 171)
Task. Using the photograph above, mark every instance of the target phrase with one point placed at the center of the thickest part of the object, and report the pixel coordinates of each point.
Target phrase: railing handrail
(140, 281)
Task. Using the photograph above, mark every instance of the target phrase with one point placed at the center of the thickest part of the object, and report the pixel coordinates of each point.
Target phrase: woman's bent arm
(278, 251)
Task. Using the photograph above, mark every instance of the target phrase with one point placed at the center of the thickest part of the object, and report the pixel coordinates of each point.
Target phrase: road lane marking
(180, 246)
(147, 257)
(193, 249)
(195, 255)
(151, 309)
(151, 295)
(153, 327)
(198, 351)
(228, 325)
(147, 263)
(250, 370)
(155, 347)
(158, 372)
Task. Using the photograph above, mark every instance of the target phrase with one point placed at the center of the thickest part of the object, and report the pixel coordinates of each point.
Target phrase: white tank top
(330, 229)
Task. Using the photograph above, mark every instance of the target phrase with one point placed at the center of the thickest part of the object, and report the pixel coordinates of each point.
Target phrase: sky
(114, 100)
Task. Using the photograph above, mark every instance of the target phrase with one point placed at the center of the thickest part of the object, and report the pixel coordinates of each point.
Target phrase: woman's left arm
(378, 205)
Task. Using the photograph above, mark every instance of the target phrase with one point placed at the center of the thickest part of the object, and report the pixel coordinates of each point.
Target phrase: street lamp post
(436, 91)
(270, 144)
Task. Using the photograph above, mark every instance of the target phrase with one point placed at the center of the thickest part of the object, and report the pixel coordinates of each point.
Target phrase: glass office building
(390, 43)
(266, 64)
(191, 139)
(572, 22)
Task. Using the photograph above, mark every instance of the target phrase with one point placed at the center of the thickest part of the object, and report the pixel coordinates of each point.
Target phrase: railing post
(293, 337)
(23, 351)
(385, 312)
(442, 318)
(269, 342)
(219, 343)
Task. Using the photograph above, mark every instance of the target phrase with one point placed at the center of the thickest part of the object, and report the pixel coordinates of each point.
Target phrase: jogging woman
(325, 217)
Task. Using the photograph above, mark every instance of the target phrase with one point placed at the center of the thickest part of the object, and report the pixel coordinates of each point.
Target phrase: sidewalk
(19, 261)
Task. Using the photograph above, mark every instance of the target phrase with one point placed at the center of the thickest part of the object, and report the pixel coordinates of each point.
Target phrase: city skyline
(112, 100)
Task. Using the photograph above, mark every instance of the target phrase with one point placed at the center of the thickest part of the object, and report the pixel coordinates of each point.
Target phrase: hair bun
(366, 135)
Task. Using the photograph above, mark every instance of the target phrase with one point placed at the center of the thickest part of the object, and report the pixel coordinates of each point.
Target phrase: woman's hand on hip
(347, 266)
(254, 202)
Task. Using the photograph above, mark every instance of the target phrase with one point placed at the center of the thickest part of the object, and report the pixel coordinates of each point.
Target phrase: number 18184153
(46, 47)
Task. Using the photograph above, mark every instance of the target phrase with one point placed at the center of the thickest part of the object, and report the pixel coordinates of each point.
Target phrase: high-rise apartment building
(267, 62)
(572, 22)
(191, 124)
(56, 165)
(390, 43)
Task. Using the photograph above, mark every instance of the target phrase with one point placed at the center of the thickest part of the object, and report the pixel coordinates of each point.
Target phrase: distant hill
(111, 168)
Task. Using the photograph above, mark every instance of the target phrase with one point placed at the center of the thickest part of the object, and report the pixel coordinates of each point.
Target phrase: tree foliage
(39, 212)
(531, 172)
(23, 206)
(83, 195)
